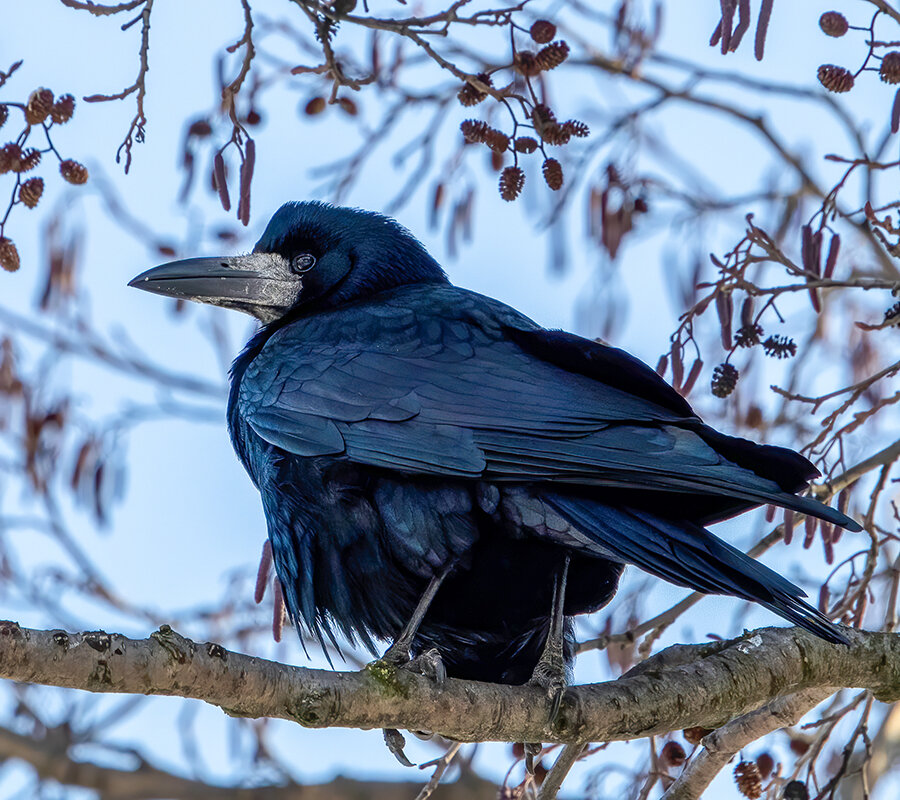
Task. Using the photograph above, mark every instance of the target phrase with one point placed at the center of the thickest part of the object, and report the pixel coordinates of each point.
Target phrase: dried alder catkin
(834, 23)
(30, 191)
(553, 174)
(512, 179)
(835, 78)
(38, 107)
(73, 172)
(63, 109)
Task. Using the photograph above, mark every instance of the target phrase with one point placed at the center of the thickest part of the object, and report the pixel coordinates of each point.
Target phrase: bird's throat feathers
(359, 253)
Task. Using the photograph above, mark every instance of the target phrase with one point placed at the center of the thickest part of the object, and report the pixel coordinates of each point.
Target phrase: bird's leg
(398, 654)
(429, 663)
(550, 671)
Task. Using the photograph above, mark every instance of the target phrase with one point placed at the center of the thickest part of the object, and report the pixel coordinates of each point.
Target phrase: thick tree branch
(713, 688)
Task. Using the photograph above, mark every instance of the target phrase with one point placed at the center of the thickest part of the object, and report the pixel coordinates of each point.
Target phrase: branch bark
(702, 685)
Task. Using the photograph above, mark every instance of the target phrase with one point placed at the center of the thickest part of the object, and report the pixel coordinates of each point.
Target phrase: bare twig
(561, 767)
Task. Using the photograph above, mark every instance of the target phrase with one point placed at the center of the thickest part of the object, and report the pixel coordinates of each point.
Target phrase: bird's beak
(203, 279)
(258, 283)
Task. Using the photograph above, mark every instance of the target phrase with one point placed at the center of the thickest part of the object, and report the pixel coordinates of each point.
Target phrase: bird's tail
(687, 554)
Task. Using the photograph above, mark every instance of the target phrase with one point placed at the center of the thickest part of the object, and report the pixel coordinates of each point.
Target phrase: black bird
(432, 461)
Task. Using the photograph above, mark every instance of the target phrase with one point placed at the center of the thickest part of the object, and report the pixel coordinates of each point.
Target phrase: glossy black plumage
(394, 423)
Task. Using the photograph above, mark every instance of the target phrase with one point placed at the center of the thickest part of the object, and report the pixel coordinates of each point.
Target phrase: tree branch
(561, 767)
(720, 746)
(52, 762)
(739, 677)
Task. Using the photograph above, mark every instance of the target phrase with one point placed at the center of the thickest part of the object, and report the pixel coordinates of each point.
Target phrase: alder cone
(10, 154)
(555, 134)
(889, 71)
(543, 31)
(525, 144)
(527, 63)
(73, 172)
(672, 754)
(834, 23)
(27, 161)
(542, 117)
(695, 735)
(835, 79)
(38, 107)
(200, 128)
(552, 55)
(765, 764)
(348, 106)
(474, 131)
(468, 95)
(496, 140)
(553, 174)
(9, 255)
(63, 109)
(575, 127)
(512, 179)
(316, 105)
(30, 191)
(724, 379)
(748, 780)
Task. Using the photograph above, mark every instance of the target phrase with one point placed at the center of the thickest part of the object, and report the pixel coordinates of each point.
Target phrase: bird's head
(311, 256)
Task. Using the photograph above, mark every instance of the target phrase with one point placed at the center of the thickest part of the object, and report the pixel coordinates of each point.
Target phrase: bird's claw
(395, 743)
(550, 675)
(430, 664)
(532, 750)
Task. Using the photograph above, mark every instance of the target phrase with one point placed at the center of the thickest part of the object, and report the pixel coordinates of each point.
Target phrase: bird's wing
(449, 392)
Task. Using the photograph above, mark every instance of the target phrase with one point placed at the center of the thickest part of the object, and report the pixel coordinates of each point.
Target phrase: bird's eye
(302, 262)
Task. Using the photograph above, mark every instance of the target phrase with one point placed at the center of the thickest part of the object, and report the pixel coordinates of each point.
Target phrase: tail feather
(755, 492)
(813, 508)
(687, 554)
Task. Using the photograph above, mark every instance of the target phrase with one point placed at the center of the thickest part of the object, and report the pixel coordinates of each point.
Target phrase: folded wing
(429, 392)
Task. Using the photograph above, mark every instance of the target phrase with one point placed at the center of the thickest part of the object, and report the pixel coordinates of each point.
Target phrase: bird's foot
(430, 664)
(550, 675)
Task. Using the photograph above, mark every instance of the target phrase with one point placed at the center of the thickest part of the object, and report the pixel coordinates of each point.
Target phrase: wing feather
(442, 391)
